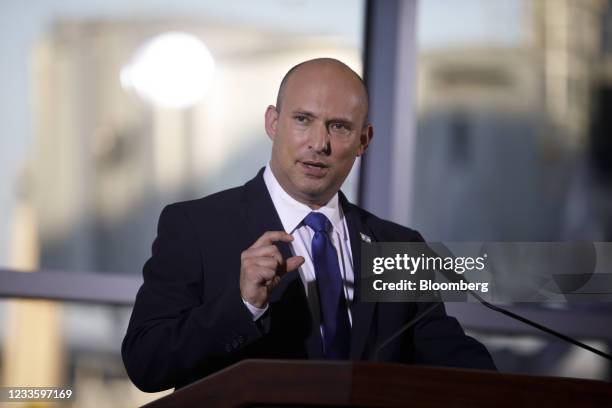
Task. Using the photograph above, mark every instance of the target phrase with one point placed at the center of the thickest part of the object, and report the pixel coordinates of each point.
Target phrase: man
(271, 269)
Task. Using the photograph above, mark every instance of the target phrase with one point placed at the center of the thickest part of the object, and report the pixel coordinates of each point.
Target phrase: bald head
(321, 67)
(318, 128)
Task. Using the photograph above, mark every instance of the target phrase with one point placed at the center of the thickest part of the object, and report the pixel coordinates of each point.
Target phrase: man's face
(318, 132)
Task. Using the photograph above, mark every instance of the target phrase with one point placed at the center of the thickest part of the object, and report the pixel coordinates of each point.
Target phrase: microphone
(455, 277)
(405, 327)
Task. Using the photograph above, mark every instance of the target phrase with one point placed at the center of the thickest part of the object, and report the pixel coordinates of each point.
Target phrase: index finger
(270, 237)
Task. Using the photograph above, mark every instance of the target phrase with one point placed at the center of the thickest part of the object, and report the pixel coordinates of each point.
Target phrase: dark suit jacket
(189, 319)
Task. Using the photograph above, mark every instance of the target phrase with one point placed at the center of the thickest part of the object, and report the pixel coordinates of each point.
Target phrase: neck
(313, 206)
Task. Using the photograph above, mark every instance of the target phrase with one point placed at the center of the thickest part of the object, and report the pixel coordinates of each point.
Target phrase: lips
(314, 163)
(314, 168)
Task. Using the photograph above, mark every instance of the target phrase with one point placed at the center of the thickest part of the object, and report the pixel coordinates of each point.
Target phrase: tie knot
(317, 222)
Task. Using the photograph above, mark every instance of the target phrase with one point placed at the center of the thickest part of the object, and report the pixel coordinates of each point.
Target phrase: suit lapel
(261, 216)
(362, 312)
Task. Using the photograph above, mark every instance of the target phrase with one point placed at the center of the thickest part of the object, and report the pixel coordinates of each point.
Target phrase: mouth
(314, 168)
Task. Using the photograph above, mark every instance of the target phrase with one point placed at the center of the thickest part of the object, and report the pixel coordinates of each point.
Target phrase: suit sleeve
(439, 340)
(174, 335)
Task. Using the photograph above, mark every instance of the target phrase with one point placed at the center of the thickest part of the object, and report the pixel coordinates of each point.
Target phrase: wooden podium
(293, 383)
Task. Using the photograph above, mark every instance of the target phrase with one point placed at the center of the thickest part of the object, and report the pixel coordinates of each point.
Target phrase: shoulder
(223, 203)
(385, 230)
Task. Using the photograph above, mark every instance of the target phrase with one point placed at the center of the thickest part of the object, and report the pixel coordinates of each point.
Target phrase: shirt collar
(292, 212)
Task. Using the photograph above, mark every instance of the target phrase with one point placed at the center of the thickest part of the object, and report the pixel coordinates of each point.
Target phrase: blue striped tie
(334, 313)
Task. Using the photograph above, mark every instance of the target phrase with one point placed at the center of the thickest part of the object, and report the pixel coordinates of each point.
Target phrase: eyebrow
(303, 112)
(312, 115)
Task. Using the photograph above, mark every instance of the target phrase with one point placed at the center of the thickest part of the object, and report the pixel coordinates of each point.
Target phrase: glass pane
(512, 113)
(513, 138)
(106, 126)
(72, 345)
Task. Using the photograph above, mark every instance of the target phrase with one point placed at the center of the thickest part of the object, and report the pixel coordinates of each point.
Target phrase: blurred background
(493, 121)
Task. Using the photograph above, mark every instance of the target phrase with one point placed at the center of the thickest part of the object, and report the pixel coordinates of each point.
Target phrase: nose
(319, 139)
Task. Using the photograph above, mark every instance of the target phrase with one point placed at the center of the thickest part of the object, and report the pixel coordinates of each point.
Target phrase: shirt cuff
(256, 312)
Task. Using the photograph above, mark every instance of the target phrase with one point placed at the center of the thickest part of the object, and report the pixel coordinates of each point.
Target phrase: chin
(311, 191)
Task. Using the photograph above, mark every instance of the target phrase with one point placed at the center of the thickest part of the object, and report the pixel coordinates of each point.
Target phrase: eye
(302, 118)
(339, 127)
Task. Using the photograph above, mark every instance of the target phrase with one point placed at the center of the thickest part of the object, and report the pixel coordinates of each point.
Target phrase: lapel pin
(365, 238)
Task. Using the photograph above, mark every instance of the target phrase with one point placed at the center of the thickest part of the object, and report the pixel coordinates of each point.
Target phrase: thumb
(294, 262)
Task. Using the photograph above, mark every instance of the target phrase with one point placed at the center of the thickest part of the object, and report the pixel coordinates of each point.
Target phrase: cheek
(293, 144)
(345, 152)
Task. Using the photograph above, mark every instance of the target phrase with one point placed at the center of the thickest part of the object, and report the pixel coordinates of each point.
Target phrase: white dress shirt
(292, 213)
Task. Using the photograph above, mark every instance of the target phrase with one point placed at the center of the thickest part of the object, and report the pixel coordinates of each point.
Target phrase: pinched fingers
(269, 237)
(269, 251)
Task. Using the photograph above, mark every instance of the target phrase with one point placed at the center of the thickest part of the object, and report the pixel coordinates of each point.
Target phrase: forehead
(324, 90)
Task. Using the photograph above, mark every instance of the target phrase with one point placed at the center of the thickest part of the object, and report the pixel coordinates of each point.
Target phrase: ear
(271, 121)
(367, 133)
